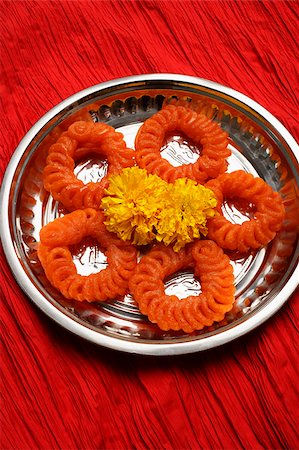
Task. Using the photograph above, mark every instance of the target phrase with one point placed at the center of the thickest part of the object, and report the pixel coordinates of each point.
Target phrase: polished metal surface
(260, 145)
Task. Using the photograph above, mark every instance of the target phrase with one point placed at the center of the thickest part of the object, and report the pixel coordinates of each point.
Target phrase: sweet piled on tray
(145, 202)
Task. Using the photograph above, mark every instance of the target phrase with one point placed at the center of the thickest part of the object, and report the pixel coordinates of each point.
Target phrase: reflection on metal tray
(260, 145)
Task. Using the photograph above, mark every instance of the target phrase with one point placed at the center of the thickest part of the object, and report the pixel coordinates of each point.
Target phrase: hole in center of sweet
(182, 284)
(88, 257)
(179, 150)
(238, 210)
(91, 168)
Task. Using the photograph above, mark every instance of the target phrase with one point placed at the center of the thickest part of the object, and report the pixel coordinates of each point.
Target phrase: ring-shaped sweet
(80, 139)
(55, 256)
(255, 232)
(214, 271)
(200, 129)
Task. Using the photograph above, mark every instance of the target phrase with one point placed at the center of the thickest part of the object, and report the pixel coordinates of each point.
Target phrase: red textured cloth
(59, 391)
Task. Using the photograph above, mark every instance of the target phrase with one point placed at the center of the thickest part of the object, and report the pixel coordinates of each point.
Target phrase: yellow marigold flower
(132, 205)
(185, 212)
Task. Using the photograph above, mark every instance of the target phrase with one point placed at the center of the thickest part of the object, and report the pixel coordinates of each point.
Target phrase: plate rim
(115, 343)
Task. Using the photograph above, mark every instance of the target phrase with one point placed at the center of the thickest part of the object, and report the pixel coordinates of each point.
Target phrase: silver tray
(260, 145)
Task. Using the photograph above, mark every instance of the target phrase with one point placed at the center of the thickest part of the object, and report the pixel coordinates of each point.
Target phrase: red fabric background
(61, 392)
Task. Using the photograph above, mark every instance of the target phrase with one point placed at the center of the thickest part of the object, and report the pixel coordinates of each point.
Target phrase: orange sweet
(82, 138)
(259, 230)
(200, 129)
(214, 271)
(57, 262)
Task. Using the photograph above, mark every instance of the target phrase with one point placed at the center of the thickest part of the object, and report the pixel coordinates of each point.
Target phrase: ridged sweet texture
(214, 271)
(80, 139)
(259, 230)
(57, 261)
(203, 132)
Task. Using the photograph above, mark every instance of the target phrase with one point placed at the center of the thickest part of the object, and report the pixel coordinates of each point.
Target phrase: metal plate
(260, 145)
